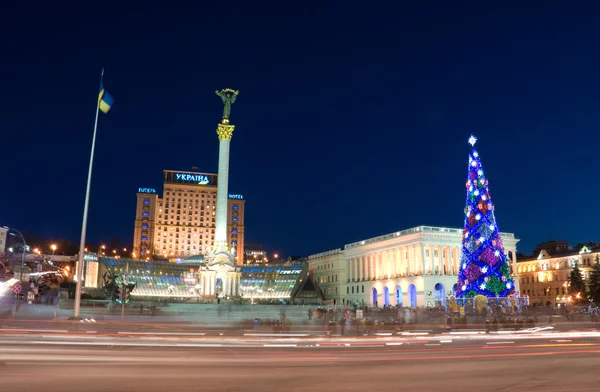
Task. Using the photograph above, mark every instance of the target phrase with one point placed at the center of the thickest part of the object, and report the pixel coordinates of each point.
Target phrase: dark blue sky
(351, 122)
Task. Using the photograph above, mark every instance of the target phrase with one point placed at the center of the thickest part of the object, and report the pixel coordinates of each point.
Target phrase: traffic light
(118, 295)
(124, 292)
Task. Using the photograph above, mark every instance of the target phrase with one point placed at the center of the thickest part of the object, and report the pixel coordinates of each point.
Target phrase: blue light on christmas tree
(483, 265)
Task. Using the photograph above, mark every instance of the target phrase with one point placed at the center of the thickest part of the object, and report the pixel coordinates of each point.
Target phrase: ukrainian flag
(105, 100)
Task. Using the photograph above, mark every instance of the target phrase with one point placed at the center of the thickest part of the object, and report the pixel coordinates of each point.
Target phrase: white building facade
(329, 272)
(3, 236)
(413, 267)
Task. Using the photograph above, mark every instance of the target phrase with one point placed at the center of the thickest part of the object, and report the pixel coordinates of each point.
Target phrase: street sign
(16, 288)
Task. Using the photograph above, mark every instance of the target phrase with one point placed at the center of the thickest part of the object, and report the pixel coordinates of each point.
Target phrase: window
(235, 207)
(363, 288)
(145, 213)
(234, 230)
(145, 226)
(144, 238)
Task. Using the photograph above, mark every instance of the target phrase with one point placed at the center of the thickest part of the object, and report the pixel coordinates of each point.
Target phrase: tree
(594, 282)
(577, 286)
(483, 265)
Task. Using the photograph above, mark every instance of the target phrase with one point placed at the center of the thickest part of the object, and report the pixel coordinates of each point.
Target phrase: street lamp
(16, 233)
(53, 247)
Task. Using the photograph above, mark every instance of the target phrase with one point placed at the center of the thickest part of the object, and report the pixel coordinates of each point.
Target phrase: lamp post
(16, 233)
(53, 247)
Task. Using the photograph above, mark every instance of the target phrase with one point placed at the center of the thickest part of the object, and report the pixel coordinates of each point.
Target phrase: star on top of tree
(472, 140)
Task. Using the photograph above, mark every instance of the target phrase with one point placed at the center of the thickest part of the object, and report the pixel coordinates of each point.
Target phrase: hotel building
(413, 267)
(182, 223)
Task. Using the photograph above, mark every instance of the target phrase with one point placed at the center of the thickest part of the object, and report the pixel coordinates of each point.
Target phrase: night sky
(350, 123)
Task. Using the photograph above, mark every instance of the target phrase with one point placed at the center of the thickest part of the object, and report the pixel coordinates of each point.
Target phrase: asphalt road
(542, 366)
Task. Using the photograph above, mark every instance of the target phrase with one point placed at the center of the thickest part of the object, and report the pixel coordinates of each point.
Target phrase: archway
(398, 295)
(386, 296)
(219, 286)
(412, 296)
(374, 296)
(439, 295)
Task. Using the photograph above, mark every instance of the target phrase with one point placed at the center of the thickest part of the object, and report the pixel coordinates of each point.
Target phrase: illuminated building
(254, 253)
(183, 222)
(546, 278)
(3, 234)
(328, 270)
(413, 267)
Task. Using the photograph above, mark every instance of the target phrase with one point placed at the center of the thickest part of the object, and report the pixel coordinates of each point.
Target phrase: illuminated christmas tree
(483, 265)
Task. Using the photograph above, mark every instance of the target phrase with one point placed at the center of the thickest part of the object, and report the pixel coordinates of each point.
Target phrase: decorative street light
(16, 233)
(53, 247)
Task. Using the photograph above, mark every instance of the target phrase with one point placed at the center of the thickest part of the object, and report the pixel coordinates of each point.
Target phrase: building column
(347, 270)
(388, 263)
(443, 261)
(514, 262)
(457, 254)
(374, 265)
(422, 260)
(363, 267)
(376, 259)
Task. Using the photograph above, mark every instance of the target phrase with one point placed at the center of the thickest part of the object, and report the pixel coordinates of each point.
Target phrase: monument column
(224, 132)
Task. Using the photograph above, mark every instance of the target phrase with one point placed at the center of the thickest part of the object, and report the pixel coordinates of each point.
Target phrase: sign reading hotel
(190, 178)
(146, 190)
(235, 196)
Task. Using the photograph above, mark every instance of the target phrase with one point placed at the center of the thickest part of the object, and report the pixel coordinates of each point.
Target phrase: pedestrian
(342, 324)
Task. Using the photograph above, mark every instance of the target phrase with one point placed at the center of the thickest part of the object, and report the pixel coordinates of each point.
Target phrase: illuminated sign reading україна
(190, 178)
(198, 178)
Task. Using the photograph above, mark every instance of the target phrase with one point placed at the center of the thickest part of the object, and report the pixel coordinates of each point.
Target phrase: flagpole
(85, 216)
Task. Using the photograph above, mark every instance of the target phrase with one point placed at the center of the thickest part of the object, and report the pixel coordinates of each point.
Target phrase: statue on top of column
(228, 96)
